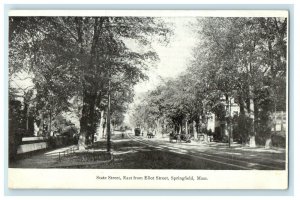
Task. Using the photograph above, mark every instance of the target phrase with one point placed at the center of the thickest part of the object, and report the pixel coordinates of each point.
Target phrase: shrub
(243, 128)
(263, 132)
(278, 140)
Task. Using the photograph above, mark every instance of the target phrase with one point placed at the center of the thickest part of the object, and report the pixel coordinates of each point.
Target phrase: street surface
(218, 155)
(140, 152)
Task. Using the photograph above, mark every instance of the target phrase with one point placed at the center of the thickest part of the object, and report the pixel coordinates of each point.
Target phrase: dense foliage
(244, 59)
(71, 62)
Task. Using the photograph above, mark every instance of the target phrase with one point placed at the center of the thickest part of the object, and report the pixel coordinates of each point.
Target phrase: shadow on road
(160, 154)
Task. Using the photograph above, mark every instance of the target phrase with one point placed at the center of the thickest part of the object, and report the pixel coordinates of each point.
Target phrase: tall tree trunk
(268, 142)
(83, 124)
(186, 127)
(195, 129)
(87, 121)
(100, 125)
(227, 125)
(252, 142)
(92, 118)
(176, 129)
(198, 131)
(180, 128)
(26, 115)
(104, 127)
(50, 122)
(242, 105)
(41, 125)
(205, 126)
(35, 129)
(158, 126)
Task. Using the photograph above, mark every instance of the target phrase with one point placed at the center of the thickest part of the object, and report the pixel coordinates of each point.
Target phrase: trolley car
(137, 131)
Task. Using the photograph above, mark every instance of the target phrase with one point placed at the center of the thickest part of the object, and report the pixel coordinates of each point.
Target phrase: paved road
(219, 155)
(132, 152)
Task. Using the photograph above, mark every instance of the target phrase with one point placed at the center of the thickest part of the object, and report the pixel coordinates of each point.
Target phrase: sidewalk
(221, 145)
(40, 160)
(223, 149)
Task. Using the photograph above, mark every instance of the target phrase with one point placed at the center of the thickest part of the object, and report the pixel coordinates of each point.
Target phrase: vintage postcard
(148, 99)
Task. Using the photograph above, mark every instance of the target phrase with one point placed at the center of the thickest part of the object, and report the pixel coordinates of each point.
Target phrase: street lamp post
(50, 114)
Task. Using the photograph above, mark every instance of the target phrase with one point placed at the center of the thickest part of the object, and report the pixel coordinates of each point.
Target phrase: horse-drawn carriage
(150, 135)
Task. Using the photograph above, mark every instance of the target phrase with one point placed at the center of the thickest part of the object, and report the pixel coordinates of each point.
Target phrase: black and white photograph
(148, 99)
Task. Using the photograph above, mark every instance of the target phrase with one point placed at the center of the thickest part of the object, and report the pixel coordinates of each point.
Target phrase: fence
(66, 152)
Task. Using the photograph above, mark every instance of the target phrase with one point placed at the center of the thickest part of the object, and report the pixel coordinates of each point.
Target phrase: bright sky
(21, 81)
(175, 56)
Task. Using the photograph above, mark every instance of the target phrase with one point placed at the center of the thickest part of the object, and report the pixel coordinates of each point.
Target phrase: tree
(80, 56)
(109, 56)
(236, 54)
(36, 50)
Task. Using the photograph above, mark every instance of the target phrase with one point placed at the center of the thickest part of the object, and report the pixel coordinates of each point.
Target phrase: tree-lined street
(219, 100)
(237, 61)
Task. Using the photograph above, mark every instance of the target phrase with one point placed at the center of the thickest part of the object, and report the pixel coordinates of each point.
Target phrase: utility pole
(230, 129)
(108, 119)
(50, 115)
(50, 121)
